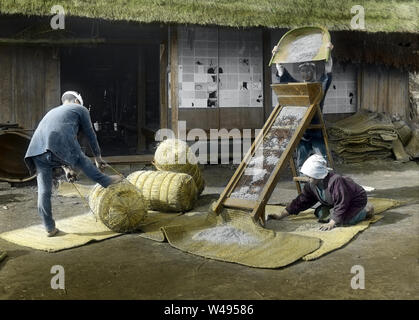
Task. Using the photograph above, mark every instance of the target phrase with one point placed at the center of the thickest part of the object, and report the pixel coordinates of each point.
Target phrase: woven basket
(176, 156)
(165, 190)
(120, 206)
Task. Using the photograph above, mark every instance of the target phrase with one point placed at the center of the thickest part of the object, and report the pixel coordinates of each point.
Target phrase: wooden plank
(241, 118)
(52, 79)
(7, 112)
(239, 203)
(36, 95)
(399, 92)
(294, 100)
(19, 86)
(294, 89)
(384, 90)
(202, 118)
(174, 87)
(163, 85)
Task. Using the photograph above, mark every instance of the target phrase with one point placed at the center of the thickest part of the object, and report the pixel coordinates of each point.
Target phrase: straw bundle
(176, 156)
(165, 190)
(120, 206)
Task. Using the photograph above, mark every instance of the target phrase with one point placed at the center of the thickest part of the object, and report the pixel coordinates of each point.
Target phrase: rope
(84, 199)
(120, 174)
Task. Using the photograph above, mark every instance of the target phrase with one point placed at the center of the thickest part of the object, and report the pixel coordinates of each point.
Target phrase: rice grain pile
(304, 48)
(175, 155)
(120, 206)
(165, 190)
(225, 234)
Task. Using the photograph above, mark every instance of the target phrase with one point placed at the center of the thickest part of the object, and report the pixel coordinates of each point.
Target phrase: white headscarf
(74, 94)
(315, 167)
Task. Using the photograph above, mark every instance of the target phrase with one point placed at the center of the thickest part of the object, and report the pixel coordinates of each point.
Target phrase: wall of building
(385, 89)
(29, 84)
(220, 69)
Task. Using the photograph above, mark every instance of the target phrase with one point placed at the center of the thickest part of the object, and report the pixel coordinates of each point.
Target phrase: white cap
(315, 167)
(74, 94)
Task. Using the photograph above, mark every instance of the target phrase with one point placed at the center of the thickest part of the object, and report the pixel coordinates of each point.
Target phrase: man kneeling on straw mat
(342, 201)
(54, 144)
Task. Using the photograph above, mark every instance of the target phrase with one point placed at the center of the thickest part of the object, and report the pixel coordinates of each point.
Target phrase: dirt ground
(130, 267)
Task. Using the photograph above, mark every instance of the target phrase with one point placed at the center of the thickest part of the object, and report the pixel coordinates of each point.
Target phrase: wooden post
(267, 78)
(174, 101)
(163, 85)
(141, 92)
(359, 88)
(295, 174)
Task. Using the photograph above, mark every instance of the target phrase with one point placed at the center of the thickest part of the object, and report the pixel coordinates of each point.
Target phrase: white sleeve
(328, 66)
(280, 69)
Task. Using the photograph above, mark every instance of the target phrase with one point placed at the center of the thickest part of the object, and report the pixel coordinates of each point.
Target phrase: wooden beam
(239, 203)
(9, 41)
(174, 91)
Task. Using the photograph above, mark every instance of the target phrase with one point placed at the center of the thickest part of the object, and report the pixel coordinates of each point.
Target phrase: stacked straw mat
(363, 136)
(176, 156)
(165, 190)
(120, 206)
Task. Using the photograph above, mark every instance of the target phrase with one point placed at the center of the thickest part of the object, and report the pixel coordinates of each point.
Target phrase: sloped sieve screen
(268, 153)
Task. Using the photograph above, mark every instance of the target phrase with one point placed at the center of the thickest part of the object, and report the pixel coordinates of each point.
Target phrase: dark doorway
(119, 89)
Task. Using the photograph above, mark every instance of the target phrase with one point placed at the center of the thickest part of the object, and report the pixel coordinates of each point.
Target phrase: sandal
(53, 232)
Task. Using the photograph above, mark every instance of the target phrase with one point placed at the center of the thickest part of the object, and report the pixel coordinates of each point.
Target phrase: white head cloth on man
(315, 167)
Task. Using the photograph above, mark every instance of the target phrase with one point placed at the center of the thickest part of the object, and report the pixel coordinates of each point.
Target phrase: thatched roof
(380, 15)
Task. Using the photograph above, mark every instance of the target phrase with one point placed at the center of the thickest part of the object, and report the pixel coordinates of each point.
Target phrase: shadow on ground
(8, 198)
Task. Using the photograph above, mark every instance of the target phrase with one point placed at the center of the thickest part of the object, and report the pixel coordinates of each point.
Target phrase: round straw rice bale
(120, 206)
(176, 156)
(165, 190)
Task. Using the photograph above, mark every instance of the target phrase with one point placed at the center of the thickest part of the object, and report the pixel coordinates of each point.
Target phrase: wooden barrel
(13, 146)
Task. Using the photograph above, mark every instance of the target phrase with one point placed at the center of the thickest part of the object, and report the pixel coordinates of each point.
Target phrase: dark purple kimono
(342, 194)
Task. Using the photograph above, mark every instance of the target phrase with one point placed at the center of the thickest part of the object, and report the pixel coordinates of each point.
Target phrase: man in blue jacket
(54, 144)
(312, 141)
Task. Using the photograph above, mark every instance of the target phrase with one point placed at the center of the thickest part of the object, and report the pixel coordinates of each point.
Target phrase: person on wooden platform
(54, 144)
(342, 201)
(312, 141)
